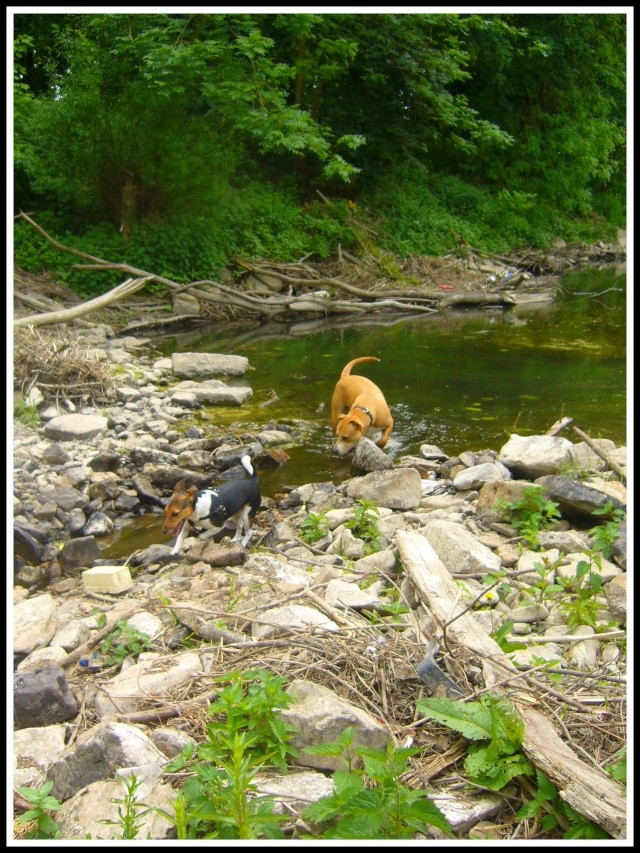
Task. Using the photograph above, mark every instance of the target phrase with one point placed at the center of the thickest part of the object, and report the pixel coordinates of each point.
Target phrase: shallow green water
(464, 381)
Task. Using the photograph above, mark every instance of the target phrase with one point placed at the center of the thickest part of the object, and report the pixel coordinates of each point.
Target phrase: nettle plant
(530, 514)
(314, 527)
(364, 525)
(604, 535)
(495, 733)
(245, 735)
(369, 800)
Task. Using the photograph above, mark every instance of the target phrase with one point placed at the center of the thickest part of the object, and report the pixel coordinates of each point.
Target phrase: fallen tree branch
(67, 314)
(603, 454)
(592, 793)
(274, 305)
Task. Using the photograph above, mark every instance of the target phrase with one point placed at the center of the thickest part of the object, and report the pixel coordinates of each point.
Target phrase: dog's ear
(180, 486)
(192, 490)
(341, 417)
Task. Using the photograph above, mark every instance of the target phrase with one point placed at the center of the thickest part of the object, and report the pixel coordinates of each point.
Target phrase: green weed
(26, 414)
(131, 812)
(604, 535)
(122, 642)
(495, 730)
(246, 734)
(364, 526)
(532, 513)
(370, 802)
(44, 826)
(314, 527)
(554, 813)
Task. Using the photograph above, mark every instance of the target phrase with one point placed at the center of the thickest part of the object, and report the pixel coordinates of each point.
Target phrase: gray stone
(79, 553)
(478, 475)
(535, 455)
(191, 365)
(320, 716)
(75, 427)
(396, 489)
(458, 549)
(34, 623)
(98, 753)
(369, 457)
(576, 500)
(42, 697)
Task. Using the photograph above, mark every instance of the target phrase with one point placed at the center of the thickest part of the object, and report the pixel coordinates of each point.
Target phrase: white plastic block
(111, 579)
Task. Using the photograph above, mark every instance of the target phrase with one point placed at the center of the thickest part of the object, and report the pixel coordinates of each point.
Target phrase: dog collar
(366, 411)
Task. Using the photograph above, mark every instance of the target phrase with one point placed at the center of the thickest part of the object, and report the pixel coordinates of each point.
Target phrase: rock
(576, 500)
(99, 524)
(55, 454)
(396, 489)
(152, 675)
(279, 620)
(26, 546)
(34, 623)
(42, 698)
(535, 455)
(192, 365)
(528, 613)
(294, 790)
(369, 457)
(476, 476)
(619, 546)
(106, 460)
(211, 392)
(320, 716)
(79, 553)
(34, 751)
(170, 741)
(75, 427)
(91, 806)
(458, 549)
(340, 594)
(99, 752)
(584, 655)
(616, 593)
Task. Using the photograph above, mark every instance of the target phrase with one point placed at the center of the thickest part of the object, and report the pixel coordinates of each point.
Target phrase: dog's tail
(347, 368)
(248, 467)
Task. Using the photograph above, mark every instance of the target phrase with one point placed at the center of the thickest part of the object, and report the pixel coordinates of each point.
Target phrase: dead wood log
(559, 425)
(161, 322)
(477, 299)
(603, 454)
(167, 712)
(112, 621)
(45, 304)
(67, 314)
(276, 304)
(590, 792)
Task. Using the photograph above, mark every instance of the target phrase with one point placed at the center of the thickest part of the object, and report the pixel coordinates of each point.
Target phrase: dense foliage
(174, 141)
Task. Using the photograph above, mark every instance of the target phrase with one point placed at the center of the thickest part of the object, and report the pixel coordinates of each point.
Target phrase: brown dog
(356, 406)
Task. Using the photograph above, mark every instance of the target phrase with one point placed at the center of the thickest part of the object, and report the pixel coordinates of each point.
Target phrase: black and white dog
(237, 500)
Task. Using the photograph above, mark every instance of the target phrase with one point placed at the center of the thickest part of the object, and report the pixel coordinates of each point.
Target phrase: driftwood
(591, 792)
(606, 457)
(559, 425)
(65, 315)
(112, 621)
(269, 306)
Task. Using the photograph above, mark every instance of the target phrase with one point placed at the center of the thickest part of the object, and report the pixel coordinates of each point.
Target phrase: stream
(463, 380)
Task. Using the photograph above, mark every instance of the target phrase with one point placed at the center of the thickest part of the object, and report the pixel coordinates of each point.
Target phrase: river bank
(220, 606)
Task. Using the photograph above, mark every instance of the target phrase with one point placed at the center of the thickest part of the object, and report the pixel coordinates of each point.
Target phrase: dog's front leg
(181, 537)
(386, 432)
